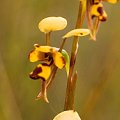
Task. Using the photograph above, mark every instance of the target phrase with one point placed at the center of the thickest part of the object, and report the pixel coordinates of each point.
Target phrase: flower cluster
(48, 54)
(95, 10)
(52, 57)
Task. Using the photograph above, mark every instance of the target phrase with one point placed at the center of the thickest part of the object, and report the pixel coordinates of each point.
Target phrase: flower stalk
(70, 97)
(61, 47)
(48, 38)
(43, 92)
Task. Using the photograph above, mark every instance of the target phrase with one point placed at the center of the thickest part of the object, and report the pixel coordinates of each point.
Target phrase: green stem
(69, 100)
(81, 14)
(72, 91)
(68, 103)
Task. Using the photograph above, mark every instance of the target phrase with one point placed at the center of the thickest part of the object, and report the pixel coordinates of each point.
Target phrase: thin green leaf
(66, 57)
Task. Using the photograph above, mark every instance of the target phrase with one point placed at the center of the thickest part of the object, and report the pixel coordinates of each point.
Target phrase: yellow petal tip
(111, 1)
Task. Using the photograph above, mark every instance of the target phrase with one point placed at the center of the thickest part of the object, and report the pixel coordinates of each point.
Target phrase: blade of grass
(8, 101)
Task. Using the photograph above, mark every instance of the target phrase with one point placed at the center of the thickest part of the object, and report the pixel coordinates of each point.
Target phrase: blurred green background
(98, 63)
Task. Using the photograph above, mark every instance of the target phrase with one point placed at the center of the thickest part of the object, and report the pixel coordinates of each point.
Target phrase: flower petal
(41, 71)
(111, 1)
(103, 17)
(96, 10)
(36, 55)
(58, 59)
(52, 24)
(66, 57)
(45, 49)
(57, 56)
(95, 1)
(77, 32)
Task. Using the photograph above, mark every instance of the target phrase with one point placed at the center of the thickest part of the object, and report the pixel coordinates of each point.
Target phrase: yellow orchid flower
(48, 54)
(95, 10)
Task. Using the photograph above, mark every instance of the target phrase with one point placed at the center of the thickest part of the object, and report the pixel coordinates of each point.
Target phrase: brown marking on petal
(103, 19)
(37, 70)
(51, 62)
(100, 10)
(81, 33)
(93, 16)
(46, 55)
(29, 54)
(35, 77)
(34, 74)
(63, 61)
(50, 58)
(45, 64)
(74, 111)
(36, 45)
(51, 49)
(42, 78)
(94, 2)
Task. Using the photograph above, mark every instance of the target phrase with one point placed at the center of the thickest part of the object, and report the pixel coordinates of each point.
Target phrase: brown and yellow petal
(45, 49)
(59, 61)
(77, 32)
(97, 10)
(42, 71)
(96, 1)
(57, 56)
(103, 17)
(36, 55)
(111, 1)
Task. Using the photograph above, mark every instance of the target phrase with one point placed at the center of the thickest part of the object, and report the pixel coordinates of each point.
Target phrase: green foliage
(66, 57)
